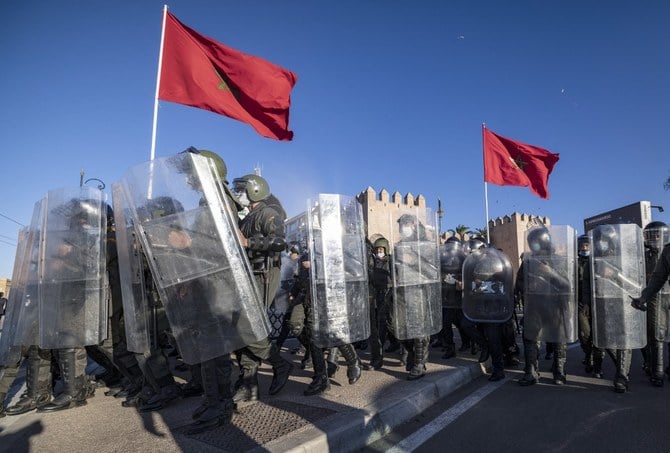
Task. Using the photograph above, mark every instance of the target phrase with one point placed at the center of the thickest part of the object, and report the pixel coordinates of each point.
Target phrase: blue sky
(390, 94)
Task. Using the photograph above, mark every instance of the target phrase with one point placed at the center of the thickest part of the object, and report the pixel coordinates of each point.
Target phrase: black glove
(638, 303)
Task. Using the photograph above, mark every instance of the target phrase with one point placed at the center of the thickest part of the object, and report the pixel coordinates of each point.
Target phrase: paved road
(583, 416)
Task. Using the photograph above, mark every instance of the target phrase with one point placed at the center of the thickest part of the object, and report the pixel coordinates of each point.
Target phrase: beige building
(379, 208)
(508, 233)
(5, 286)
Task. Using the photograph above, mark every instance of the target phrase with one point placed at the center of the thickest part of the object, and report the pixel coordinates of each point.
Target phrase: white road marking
(420, 436)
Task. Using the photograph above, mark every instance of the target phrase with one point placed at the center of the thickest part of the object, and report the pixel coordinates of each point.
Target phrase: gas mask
(243, 198)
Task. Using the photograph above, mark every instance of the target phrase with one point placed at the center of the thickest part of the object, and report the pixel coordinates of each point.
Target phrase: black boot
(217, 407)
(37, 393)
(140, 399)
(656, 360)
(484, 354)
(588, 362)
(163, 398)
(530, 352)
(75, 388)
(598, 357)
(377, 362)
(404, 356)
(331, 363)
(248, 389)
(281, 370)
(419, 354)
(558, 368)
(449, 351)
(319, 384)
(623, 358)
(2, 404)
(353, 362)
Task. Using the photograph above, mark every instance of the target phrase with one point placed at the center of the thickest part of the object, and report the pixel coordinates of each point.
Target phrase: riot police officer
(452, 256)
(656, 302)
(593, 356)
(301, 324)
(380, 294)
(617, 273)
(263, 236)
(546, 280)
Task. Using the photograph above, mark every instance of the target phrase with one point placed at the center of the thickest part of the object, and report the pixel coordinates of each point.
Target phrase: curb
(344, 433)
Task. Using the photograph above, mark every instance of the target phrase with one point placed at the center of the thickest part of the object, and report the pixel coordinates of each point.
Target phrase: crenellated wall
(379, 208)
(508, 234)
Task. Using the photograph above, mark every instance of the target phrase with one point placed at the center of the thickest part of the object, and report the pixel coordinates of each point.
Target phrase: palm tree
(666, 184)
(460, 231)
(482, 233)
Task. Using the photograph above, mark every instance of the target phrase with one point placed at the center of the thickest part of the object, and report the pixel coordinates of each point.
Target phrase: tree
(481, 232)
(666, 184)
(460, 231)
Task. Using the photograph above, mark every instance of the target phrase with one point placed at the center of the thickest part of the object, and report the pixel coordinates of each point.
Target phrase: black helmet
(539, 240)
(407, 219)
(451, 257)
(256, 187)
(487, 268)
(473, 244)
(605, 238)
(656, 234)
(451, 239)
(162, 206)
(80, 211)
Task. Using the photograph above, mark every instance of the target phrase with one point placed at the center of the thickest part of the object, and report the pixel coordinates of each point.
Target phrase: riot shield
(488, 293)
(10, 354)
(550, 276)
(617, 274)
(188, 231)
(132, 273)
(73, 285)
(658, 307)
(452, 257)
(27, 327)
(338, 277)
(417, 298)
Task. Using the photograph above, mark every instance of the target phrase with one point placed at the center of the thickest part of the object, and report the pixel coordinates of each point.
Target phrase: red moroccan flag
(203, 73)
(511, 163)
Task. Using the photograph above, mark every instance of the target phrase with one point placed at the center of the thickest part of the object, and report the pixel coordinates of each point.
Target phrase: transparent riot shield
(10, 354)
(617, 274)
(339, 276)
(73, 286)
(27, 327)
(550, 276)
(488, 293)
(189, 232)
(452, 257)
(417, 299)
(658, 307)
(132, 273)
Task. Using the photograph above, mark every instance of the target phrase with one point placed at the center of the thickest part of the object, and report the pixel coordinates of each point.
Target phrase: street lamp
(101, 184)
(660, 208)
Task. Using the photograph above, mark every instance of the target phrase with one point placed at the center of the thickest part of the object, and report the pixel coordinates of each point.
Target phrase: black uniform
(649, 299)
(264, 229)
(380, 295)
